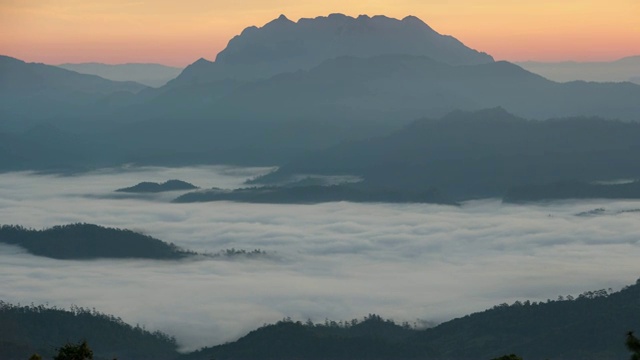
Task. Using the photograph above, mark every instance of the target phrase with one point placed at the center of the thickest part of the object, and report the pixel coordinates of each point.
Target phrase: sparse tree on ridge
(508, 357)
(633, 344)
(80, 351)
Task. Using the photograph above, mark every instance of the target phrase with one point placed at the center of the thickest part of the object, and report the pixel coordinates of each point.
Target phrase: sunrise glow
(180, 32)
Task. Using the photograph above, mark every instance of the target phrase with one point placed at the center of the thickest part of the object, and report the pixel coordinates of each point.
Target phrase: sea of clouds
(409, 262)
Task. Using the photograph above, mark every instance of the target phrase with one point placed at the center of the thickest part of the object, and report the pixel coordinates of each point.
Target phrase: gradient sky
(180, 32)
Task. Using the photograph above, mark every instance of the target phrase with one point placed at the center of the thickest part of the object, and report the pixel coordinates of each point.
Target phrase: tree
(35, 357)
(633, 344)
(80, 351)
(508, 357)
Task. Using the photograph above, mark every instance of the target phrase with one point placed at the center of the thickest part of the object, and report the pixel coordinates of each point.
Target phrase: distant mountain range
(283, 90)
(284, 46)
(153, 75)
(626, 69)
(479, 154)
(37, 91)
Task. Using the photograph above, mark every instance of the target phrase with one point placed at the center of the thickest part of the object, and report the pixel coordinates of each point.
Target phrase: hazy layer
(335, 260)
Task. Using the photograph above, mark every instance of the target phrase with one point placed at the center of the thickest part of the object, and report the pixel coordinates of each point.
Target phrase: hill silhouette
(152, 187)
(479, 154)
(591, 326)
(275, 120)
(87, 241)
(153, 75)
(283, 46)
(38, 91)
(321, 96)
(41, 329)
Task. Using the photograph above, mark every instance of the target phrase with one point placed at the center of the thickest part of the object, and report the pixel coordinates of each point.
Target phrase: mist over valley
(326, 187)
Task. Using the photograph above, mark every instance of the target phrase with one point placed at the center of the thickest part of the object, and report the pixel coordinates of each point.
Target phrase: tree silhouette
(508, 357)
(79, 351)
(633, 344)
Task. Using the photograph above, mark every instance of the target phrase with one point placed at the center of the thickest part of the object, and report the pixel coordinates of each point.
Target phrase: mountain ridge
(282, 45)
(37, 91)
(148, 74)
(468, 154)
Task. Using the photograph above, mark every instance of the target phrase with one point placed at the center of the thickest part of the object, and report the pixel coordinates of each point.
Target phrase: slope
(36, 91)
(154, 75)
(477, 154)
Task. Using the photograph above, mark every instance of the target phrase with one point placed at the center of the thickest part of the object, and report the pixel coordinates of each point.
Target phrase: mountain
(284, 46)
(274, 120)
(591, 326)
(87, 241)
(151, 187)
(625, 69)
(44, 147)
(403, 86)
(36, 91)
(478, 154)
(41, 329)
(271, 121)
(153, 75)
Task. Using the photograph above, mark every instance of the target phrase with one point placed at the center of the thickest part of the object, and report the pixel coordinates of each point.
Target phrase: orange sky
(180, 32)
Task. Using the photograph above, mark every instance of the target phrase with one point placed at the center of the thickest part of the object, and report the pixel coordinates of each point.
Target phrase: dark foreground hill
(480, 154)
(25, 330)
(87, 241)
(589, 327)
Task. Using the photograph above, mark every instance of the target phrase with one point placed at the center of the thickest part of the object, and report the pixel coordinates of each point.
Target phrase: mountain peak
(279, 21)
(414, 20)
(283, 45)
(201, 61)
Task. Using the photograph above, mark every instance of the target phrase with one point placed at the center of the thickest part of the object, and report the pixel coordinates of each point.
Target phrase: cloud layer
(335, 260)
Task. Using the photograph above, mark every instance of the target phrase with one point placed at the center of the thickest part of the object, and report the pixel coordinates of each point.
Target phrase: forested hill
(152, 187)
(481, 154)
(591, 326)
(88, 241)
(25, 330)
